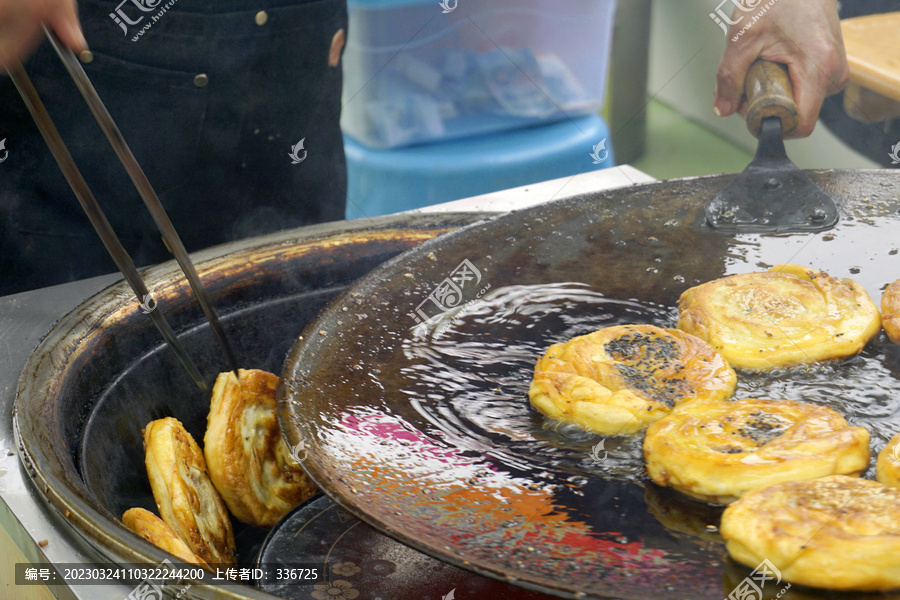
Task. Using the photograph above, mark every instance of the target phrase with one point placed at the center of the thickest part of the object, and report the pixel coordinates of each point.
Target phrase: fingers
(806, 37)
(813, 80)
(808, 96)
(729, 96)
(64, 22)
(21, 24)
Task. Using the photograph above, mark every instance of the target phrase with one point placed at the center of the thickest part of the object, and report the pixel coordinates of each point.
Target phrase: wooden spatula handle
(769, 94)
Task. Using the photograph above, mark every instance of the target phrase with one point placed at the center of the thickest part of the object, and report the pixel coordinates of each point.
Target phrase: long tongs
(95, 213)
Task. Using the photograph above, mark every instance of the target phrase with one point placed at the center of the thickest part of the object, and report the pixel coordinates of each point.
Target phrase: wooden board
(873, 53)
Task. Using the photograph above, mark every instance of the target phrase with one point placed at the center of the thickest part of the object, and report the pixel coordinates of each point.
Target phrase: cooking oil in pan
(483, 359)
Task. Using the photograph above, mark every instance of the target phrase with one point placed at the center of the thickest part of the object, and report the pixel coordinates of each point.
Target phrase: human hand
(21, 21)
(805, 35)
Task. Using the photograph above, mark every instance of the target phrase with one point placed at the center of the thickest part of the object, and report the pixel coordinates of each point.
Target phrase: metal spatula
(771, 194)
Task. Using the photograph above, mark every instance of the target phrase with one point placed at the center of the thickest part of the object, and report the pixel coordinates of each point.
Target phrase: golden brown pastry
(186, 498)
(619, 379)
(157, 532)
(719, 451)
(887, 467)
(890, 311)
(785, 316)
(249, 461)
(836, 532)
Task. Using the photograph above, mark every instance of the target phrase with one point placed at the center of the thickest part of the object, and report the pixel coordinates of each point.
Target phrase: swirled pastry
(718, 452)
(890, 311)
(887, 467)
(248, 459)
(835, 532)
(619, 379)
(157, 532)
(785, 316)
(184, 494)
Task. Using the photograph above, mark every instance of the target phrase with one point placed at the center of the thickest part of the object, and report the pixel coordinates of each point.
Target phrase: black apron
(213, 98)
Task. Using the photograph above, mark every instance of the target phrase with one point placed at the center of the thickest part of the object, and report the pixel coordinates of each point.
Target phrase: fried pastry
(619, 379)
(718, 452)
(785, 316)
(157, 532)
(890, 311)
(835, 532)
(249, 461)
(887, 467)
(184, 494)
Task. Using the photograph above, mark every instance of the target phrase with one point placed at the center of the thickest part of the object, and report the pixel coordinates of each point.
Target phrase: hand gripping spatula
(771, 195)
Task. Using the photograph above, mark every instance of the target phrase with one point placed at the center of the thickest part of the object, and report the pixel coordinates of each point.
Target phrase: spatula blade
(771, 195)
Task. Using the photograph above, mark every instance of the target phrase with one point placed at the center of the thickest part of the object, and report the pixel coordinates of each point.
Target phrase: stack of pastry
(245, 467)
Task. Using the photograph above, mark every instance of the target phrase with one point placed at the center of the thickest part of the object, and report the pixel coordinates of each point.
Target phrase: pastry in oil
(788, 315)
(157, 532)
(619, 379)
(719, 452)
(890, 311)
(249, 461)
(887, 467)
(836, 532)
(185, 497)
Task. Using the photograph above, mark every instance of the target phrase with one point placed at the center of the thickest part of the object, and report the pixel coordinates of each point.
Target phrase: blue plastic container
(424, 71)
(388, 181)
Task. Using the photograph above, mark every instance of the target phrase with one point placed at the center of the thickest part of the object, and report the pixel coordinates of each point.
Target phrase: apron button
(261, 17)
(201, 80)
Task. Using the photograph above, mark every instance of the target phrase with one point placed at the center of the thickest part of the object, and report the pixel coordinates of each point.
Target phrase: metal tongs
(95, 213)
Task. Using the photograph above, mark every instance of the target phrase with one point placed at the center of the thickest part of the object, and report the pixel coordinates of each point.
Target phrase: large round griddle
(409, 392)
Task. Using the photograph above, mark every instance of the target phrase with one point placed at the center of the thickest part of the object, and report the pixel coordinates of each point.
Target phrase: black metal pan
(409, 391)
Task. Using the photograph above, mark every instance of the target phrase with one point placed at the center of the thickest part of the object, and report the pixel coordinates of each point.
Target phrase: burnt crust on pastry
(619, 379)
